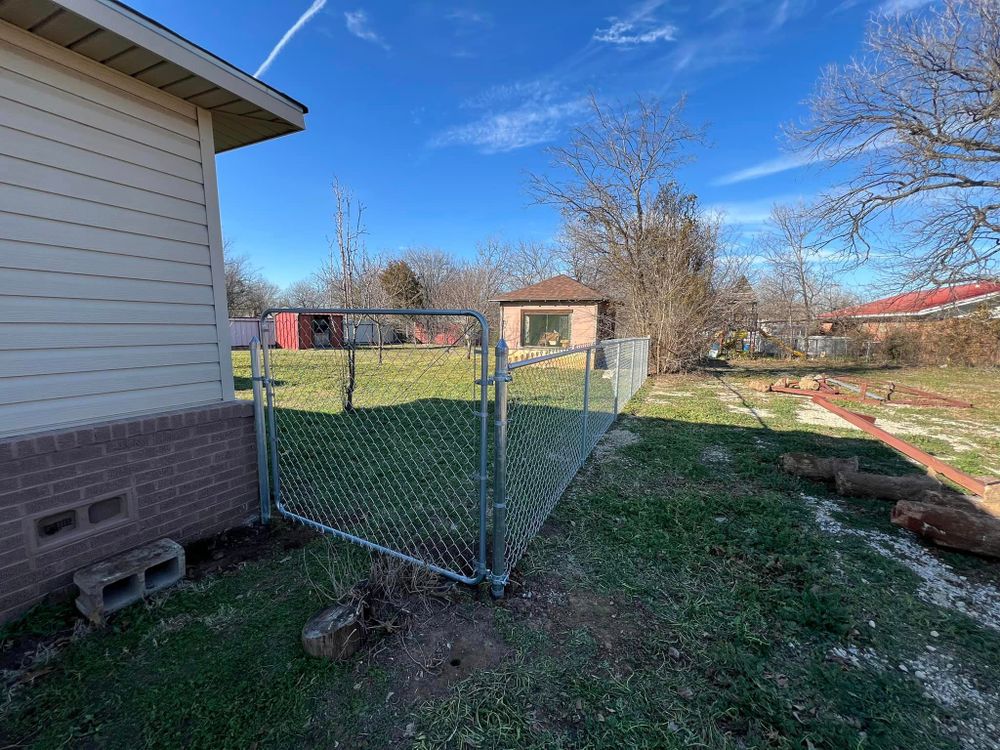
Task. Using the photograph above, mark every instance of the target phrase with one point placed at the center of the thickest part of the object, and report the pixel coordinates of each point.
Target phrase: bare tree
(432, 267)
(628, 223)
(788, 247)
(528, 262)
(248, 293)
(344, 274)
(303, 293)
(918, 117)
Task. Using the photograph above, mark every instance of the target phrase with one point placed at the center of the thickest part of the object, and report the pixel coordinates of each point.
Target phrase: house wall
(583, 320)
(183, 474)
(109, 245)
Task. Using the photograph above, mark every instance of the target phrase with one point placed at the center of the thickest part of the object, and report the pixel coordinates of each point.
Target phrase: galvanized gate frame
(270, 482)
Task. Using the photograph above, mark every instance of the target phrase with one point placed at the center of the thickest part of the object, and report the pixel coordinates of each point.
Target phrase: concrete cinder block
(121, 580)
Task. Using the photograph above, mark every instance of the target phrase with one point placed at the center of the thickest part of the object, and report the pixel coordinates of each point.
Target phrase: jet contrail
(315, 8)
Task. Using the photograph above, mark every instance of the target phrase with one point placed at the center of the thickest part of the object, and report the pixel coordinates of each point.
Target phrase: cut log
(760, 385)
(862, 484)
(815, 467)
(809, 383)
(945, 496)
(333, 633)
(970, 530)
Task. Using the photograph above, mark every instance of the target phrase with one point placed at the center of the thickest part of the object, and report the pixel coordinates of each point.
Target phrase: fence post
(584, 440)
(618, 367)
(266, 328)
(636, 350)
(258, 421)
(498, 574)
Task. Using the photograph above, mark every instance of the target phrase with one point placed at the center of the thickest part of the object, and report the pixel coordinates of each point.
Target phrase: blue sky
(434, 112)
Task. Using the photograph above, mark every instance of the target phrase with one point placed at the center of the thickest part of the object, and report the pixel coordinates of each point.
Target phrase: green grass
(682, 594)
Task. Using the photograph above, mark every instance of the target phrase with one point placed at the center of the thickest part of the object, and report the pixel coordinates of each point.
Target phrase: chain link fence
(377, 431)
(377, 423)
(555, 407)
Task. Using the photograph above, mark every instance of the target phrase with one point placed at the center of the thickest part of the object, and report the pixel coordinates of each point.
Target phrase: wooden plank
(60, 234)
(68, 335)
(29, 174)
(44, 387)
(49, 139)
(88, 359)
(32, 257)
(15, 282)
(47, 310)
(28, 202)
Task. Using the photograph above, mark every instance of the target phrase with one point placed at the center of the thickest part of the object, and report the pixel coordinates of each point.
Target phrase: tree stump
(882, 486)
(815, 467)
(970, 529)
(333, 633)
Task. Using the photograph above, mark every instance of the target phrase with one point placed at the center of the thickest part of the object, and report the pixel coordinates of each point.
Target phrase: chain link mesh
(556, 415)
(378, 439)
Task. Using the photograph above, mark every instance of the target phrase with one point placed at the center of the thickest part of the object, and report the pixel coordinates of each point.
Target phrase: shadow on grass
(409, 471)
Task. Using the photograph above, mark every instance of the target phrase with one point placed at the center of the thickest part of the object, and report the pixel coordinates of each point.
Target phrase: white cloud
(359, 25)
(639, 27)
(528, 124)
(897, 7)
(623, 32)
(751, 214)
(313, 9)
(763, 169)
(781, 14)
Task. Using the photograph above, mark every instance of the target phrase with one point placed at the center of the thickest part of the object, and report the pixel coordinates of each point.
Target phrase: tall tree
(917, 118)
(629, 221)
(401, 285)
(248, 293)
(789, 249)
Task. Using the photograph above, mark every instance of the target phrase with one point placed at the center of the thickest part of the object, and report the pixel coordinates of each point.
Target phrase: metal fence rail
(376, 427)
(551, 410)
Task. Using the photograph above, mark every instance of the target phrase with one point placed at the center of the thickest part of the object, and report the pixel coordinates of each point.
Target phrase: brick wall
(583, 320)
(184, 474)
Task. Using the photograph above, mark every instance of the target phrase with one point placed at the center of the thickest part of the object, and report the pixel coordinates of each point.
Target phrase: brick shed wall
(187, 474)
(583, 320)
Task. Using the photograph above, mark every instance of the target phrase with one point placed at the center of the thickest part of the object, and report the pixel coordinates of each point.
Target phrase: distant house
(911, 308)
(119, 423)
(556, 313)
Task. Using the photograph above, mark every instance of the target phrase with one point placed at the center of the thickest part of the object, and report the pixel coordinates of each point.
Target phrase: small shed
(243, 330)
(294, 330)
(559, 312)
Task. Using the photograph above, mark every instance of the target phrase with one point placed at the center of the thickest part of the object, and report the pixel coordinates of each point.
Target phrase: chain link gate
(377, 429)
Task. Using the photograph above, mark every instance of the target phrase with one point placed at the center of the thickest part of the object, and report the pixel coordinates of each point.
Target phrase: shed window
(545, 329)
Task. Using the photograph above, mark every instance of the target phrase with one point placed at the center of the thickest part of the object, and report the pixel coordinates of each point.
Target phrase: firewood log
(971, 529)
(862, 484)
(815, 467)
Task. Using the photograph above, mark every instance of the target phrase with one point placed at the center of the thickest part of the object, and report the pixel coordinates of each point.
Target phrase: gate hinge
(494, 379)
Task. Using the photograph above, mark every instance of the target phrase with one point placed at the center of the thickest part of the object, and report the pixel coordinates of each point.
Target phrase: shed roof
(559, 288)
(244, 110)
(922, 302)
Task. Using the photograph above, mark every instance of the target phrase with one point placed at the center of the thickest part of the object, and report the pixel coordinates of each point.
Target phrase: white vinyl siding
(107, 246)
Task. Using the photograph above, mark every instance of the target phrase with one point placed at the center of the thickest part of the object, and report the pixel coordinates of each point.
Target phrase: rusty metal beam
(863, 421)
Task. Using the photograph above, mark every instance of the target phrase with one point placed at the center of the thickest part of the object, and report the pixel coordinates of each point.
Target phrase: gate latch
(494, 379)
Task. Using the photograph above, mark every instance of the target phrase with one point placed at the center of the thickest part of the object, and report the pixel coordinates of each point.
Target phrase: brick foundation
(181, 474)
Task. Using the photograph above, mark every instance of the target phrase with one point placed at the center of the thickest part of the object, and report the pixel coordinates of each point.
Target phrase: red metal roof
(559, 288)
(914, 303)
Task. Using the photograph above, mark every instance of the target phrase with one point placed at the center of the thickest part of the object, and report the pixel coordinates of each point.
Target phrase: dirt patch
(231, 548)
(443, 649)
(940, 584)
(810, 413)
(612, 441)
